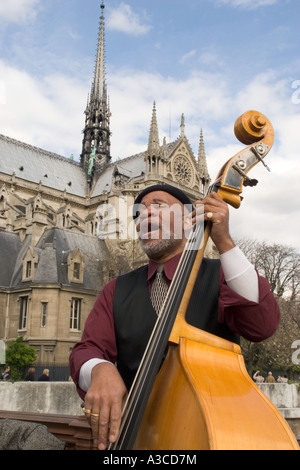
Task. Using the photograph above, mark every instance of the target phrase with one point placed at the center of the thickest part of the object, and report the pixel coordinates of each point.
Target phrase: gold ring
(95, 415)
(209, 215)
(86, 411)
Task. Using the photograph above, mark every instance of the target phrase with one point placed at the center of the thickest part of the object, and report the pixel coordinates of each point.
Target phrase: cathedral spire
(96, 141)
(202, 163)
(153, 144)
(182, 126)
(99, 84)
(153, 154)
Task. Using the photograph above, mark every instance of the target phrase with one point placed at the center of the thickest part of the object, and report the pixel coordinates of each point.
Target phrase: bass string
(193, 243)
(158, 331)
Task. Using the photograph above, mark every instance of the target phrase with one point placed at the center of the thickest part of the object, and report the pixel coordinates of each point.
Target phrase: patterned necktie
(159, 289)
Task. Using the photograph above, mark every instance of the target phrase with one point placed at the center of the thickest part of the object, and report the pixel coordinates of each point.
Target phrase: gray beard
(156, 248)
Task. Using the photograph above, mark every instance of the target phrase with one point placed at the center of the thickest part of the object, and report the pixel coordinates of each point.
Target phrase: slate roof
(55, 246)
(37, 165)
(53, 249)
(10, 245)
(54, 171)
(133, 168)
(130, 167)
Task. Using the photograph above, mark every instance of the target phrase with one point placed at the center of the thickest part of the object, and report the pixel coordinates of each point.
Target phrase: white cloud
(43, 112)
(49, 113)
(125, 20)
(269, 211)
(250, 4)
(187, 56)
(18, 10)
(201, 97)
(210, 57)
(2, 92)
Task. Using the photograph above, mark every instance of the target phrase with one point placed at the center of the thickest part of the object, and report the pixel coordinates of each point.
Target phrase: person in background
(30, 377)
(6, 373)
(270, 379)
(258, 377)
(45, 376)
(282, 379)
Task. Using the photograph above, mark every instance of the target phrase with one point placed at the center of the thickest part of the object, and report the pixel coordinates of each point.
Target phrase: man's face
(161, 224)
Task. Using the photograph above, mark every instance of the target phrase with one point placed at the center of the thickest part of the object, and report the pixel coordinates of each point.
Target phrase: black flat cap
(167, 188)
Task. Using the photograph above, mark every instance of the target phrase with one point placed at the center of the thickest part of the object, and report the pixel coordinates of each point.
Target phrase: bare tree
(279, 264)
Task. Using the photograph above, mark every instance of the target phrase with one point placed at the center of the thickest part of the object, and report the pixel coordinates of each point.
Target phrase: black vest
(135, 317)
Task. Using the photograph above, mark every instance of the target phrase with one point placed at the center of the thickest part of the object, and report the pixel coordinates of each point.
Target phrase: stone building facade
(66, 226)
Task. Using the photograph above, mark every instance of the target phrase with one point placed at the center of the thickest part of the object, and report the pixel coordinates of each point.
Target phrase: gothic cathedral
(65, 227)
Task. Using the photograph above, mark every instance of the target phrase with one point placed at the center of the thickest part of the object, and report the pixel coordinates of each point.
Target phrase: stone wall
(40, 397)
(286, 397)
(61, 398)
(282, 395)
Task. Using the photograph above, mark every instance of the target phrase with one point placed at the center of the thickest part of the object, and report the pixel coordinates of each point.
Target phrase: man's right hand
(104, 400)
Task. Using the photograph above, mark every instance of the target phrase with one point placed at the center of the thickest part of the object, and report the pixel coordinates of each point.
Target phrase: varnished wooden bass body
(202, 397)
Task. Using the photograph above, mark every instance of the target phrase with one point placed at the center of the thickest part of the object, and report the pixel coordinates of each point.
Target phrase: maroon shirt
(253, 321)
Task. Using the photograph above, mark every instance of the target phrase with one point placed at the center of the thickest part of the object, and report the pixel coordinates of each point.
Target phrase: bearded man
(229, 300)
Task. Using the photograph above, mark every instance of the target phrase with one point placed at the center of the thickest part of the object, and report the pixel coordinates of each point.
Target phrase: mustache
(154, 228)
(147, 225)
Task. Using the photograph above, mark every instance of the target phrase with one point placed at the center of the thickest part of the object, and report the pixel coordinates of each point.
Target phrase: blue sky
(209, 59)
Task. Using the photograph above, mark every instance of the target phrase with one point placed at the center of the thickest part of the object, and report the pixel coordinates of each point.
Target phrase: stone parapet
(40, 397)
(286, 398)
(58, 406)
(282, 395)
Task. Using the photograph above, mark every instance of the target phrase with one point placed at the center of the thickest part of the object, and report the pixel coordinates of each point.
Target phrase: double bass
(200, 397)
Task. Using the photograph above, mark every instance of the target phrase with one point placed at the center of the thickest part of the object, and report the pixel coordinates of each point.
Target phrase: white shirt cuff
(240, 274)
(85, 373)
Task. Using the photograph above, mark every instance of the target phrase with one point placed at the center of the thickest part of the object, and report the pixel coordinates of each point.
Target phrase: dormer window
(30, 263)
(75, 267)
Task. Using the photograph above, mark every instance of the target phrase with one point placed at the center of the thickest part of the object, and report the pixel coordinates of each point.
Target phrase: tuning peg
(247, 181)
(259, 151)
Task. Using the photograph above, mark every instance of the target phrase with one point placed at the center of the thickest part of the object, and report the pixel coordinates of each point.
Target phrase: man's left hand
(216, 211)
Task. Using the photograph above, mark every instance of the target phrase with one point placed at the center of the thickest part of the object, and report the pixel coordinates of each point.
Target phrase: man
(6, 373)
(45, 376)
(234, 302)
(270, 379)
